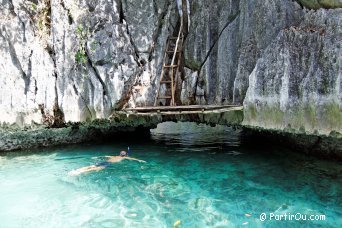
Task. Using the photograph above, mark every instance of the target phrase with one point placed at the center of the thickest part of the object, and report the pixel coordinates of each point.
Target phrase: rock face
(97, 130)
(296, 88)
(226, 38)
(121, 124)
(84, 59)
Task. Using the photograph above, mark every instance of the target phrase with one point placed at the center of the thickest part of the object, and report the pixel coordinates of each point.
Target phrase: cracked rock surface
(295, 88)
(91, 57)
(97, 56)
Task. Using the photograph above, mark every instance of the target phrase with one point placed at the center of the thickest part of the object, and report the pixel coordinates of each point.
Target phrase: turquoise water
(202, 176)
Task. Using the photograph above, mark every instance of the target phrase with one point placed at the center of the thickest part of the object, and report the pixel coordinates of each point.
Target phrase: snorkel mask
(123, 153)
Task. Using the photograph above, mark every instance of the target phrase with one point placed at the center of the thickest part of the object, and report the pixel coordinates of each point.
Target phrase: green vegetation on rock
(304, 118)
(316, 4)
(81, 54)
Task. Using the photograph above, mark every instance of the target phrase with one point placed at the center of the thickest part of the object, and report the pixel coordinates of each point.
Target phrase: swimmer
(103, 165)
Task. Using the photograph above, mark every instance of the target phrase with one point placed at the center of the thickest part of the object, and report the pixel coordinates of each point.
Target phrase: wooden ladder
(170, 70)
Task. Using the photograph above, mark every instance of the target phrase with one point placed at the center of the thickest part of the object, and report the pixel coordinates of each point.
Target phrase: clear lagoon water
(199, 175)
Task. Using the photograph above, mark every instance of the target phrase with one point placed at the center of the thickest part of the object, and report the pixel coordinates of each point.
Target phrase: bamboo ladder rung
(173, 68)
(165, 97)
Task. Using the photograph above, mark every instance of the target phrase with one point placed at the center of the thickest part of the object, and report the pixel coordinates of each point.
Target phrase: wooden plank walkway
(208, 114)
(186, 108)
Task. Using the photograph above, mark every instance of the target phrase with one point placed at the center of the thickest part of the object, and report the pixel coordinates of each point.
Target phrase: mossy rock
(193, 64)
(331, 3)
(316, 4)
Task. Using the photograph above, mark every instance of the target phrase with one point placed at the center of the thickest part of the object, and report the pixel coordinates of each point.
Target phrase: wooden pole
(173, 62)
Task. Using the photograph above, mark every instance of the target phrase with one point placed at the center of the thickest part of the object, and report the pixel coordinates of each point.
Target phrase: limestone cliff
(296, 83)
(83, 59)
(81, 56)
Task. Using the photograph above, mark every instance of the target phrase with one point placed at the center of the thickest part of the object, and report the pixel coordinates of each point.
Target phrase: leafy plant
(34, 6)
(41, 15)
(81, 54)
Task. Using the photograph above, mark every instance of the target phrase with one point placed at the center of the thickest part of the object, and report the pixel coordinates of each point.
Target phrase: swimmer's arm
(134, 159)
(85, 170)
(102, 157)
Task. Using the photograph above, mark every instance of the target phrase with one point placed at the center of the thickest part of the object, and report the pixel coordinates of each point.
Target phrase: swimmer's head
(123, 153)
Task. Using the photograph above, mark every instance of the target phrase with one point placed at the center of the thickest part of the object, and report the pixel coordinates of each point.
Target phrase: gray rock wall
(296, 84)
(286, 57)
(226, 38)
(26, 69)
(90, 57)
(86, 57)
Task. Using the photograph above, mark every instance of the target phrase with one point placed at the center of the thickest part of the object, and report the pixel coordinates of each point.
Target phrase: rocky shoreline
(122, 126)
(320, 146)
(15, 138)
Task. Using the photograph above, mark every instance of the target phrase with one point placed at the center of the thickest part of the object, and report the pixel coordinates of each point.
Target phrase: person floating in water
(103, 165)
